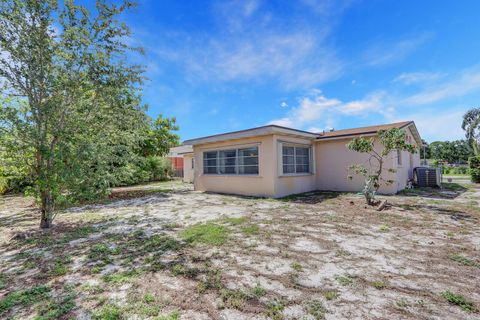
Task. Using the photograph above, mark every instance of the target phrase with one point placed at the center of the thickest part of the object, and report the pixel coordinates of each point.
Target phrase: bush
(474, 164)
(146, 169)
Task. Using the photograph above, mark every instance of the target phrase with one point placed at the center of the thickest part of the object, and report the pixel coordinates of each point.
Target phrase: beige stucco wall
(291, 184)
(409, 161)
(332, 161)
(257, 185)
(187, 168)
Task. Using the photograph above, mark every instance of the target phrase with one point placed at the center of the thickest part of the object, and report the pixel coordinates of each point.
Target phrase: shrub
(474, 164)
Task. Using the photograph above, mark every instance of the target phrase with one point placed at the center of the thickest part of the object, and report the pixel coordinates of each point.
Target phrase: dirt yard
(163, 251)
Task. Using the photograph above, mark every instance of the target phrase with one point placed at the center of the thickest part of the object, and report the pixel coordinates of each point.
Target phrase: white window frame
(295, 146)
(237, 157)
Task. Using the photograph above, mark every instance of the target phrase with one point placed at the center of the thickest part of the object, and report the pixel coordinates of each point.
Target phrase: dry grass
(163, 250)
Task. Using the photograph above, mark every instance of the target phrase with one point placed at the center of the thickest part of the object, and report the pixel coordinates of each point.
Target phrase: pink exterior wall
(330, 160)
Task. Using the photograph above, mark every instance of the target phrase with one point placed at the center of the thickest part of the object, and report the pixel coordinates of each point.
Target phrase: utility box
(427, 177)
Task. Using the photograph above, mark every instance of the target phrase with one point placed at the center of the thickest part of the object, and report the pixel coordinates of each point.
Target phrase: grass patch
(296, 266)
(274, 310)
(379, 285)
(316, 309)
(207, 233)
(345, 280)
(464, 260)
(57, 309)
(175, 315)
(235, 221)
(120, 277)
(331, 295)
(234, 298)
(259, 291)
(250, 229)
(459, 300)
(23, 297)
(108, 312)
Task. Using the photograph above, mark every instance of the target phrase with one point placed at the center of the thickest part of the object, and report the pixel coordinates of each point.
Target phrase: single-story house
(275, 161)
(175, 155)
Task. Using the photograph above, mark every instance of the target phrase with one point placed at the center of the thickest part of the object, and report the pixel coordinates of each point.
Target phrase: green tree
(451, 151)
(390, 140)
(471, 125)
(160, 137)
(71, 107)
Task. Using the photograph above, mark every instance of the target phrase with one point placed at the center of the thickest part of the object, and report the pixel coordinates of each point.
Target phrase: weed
(57, 309)
(259, 291)
(179, 269)
(3, 281)
(108, 312)
(402, 303)
(342, 252)
(250, 229)
(234, 298)
(213, 280)
(316, 309)
(331, 295)
(175, 315)
(208, 233)
(450, 234)
(379, 285)
(464, 260)
(383, 228)
(274, 310)
(296, 266)
(235, 221)
(120, 277)
(459, 300)
(148, 298)
(345, 280)
(23, 297)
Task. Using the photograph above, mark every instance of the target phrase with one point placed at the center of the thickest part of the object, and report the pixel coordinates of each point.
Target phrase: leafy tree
(451, 151)
(71, 107)
(425, 152)
(390, 140)
(160, 137)
(471, 125)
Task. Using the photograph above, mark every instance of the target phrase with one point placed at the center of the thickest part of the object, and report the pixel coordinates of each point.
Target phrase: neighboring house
(274, 161)
(179, 158)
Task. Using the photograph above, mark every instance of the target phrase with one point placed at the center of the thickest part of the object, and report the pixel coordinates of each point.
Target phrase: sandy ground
(319, 255)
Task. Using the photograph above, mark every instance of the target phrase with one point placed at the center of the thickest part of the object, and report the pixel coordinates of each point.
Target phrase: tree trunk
(46, 209)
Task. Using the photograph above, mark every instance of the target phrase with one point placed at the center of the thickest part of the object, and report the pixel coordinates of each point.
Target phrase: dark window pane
(248, 161)
(302, 160)
(250, 152)
(227, 170)
(227, 154)
(288, 151)
(302, 168)
(288, 160)
(210, 163)
(248, 170)
(210, 170)
(289, 168)
(210, 155)
(302, 151)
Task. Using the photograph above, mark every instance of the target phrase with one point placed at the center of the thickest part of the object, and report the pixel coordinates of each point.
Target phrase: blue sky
(220, 66)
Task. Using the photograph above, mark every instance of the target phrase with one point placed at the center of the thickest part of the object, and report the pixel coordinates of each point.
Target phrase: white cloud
(318, 108)
(457, 86)
(418, 77)
(434, 125)
(284, 104)
(385, 53)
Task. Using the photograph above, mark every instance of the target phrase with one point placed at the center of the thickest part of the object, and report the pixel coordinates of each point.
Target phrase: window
(193, 163)
(234, 161)
(399, 157)
(295, 159)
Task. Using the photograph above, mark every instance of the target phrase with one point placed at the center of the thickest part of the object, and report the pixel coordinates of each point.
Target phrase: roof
(363, 130)
(179, 151)
(274, 129)
(253, 132)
